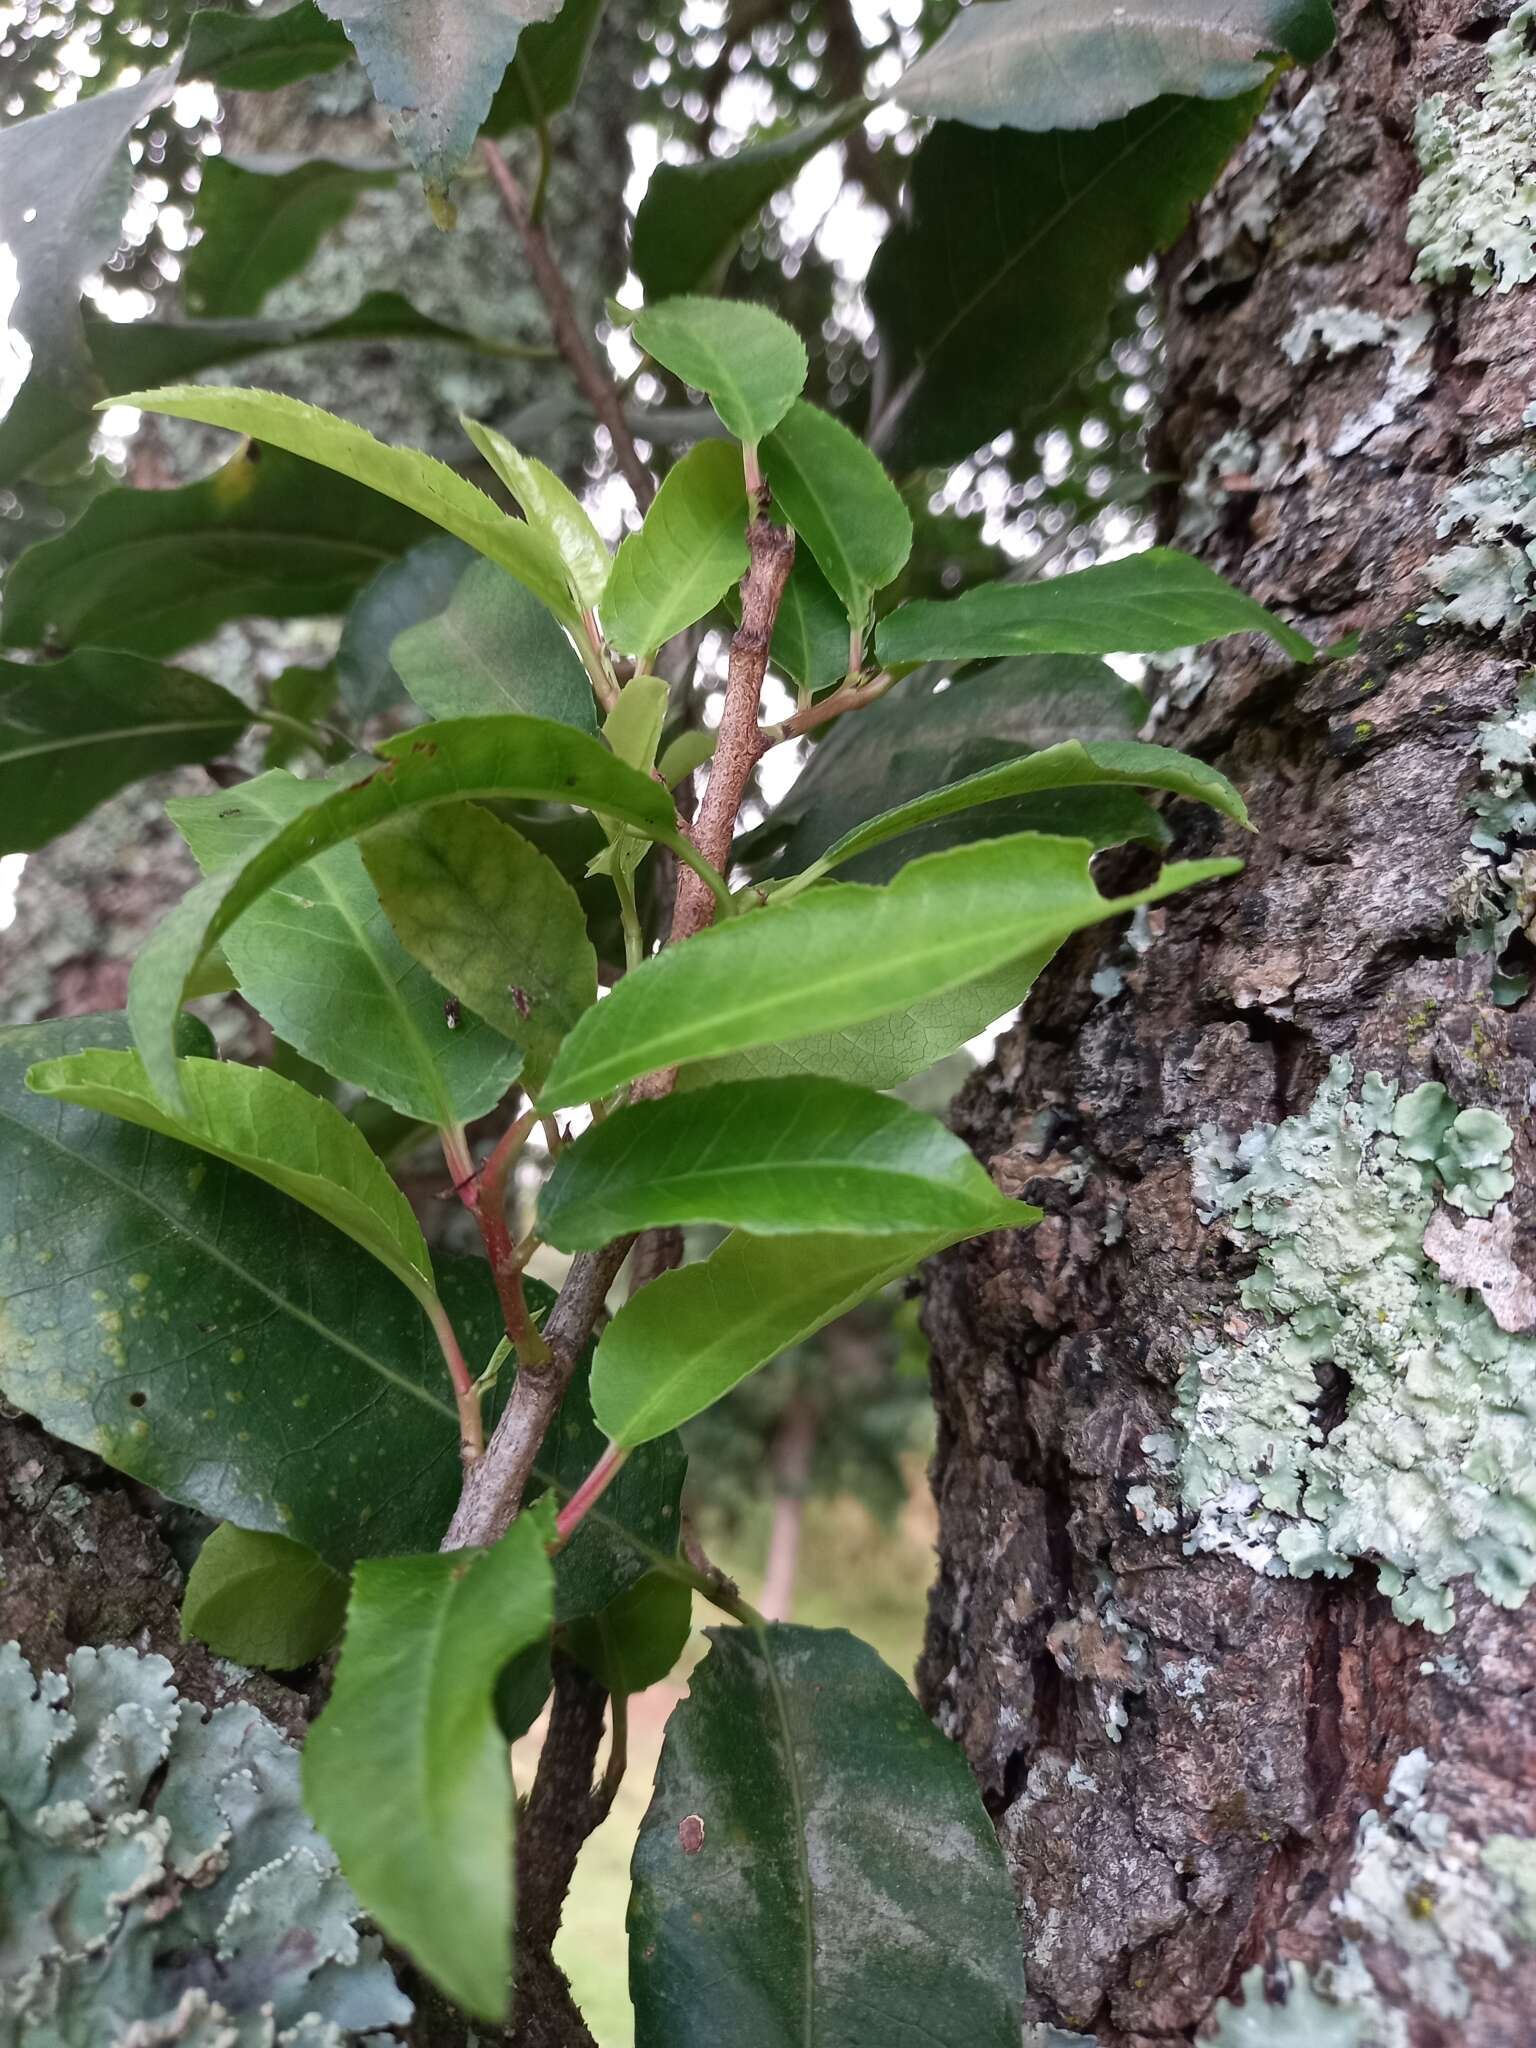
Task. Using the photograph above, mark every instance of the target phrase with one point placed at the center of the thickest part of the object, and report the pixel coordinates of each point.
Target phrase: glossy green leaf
(319, 960)
(492, 919)
(434, 66)
(546, 71)
(403, 594)
(635, 1641)
(838, 1878)
(1074, 63)
(843, 954)
(252, 1118)
(691, 549)
(690, 1336)
(459, 760)
(693, 215)
(406, 1770)
(971, 341)
(261, 226)
(1142, 604)
(73, 732)
(261, 53)
(750, 364)
(1071, 765)
(262, 1599)
(840, 502)
(207, 1335)
(494, 647)
(553, 510)
(773, 1158)
(521, 1691)
(155, 571)
(810, 635)
(426, 486)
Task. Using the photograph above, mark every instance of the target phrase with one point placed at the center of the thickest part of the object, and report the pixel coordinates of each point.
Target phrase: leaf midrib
(128, 732)
(796, 1791)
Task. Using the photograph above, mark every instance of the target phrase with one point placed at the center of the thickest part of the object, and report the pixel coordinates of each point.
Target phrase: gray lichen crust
(1496, 894)
(1431, 1472)
(159, 1881)
(1475, 208)
(1484, 583)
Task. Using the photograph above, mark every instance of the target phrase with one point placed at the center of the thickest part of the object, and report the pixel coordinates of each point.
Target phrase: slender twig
(589, 1493)
(857, 694)
(594, 383)
(561, 1812)
(466, 1393)
(618, 1753)
(484, 1195)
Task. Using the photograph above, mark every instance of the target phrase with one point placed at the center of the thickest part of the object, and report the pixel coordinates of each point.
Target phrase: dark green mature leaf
(46, 432)
(73, 732)
(810, 635)
(262, 1599)
(261, 225)
(843, 954)
(750, 364)
(406, 1770)
(1074, 63)
(155, 571)
(260, 53)
(818, 1855)
(773, 1158)
(458, 761)
(434, 66)
(840, 501)
(521, 1691)
(545, 74)
(419, 586)
(494, 647)
(1142, 604)
(493, 920)
(65, 185)
(553, 509)
(212, 1338)
(972, 342)
(635, 1641)
(428, 487)
(693, 215)
(319, 960)
(690, 1336)
(691, 549)
(306, 694)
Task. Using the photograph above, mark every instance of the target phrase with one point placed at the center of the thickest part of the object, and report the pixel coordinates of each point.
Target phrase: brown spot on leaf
(690, 1834)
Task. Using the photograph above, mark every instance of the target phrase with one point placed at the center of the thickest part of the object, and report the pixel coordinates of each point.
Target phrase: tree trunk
(1189, 1751)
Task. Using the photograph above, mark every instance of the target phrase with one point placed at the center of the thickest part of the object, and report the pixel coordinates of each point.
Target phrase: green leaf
(750, 364)
(773, 1158)
(1069, 766)
(972, 343)
(207, 1335)
(252, 1118)
(406, 1771)
(74, 732)
(492, 919)
(545, 74)
(691, 549)
(494, 647)
(810, 635)
(690, 1336)
(65, 185)
(840, 501)
(1074, 63)
(261, 53)
(262, 1599)
(155, 571)
(848, 1885)
(521, 1691)
(403, 594)
(261, 226)
(552, 510)
(319, 960)
(306, 694)
(842, 954)
(1142, 604)
(635, 1641)
(428, 487)
(459, 760)
(434, 66)
(693, 215)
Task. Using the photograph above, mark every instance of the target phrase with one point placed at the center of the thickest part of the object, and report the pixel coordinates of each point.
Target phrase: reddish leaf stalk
(589, 1493)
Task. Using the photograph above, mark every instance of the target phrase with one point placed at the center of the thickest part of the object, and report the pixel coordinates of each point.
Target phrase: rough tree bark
(1263, 1716)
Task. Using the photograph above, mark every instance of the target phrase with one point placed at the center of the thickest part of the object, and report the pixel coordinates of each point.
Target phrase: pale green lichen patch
(1475, 208)
(1495, 896)
(1335, 331)
(1484, 582)
(161, 1880)
(1302, 2016)
(1431, 1472)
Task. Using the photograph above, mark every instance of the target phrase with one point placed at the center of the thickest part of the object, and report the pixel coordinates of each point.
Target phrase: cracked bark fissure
(1223, 1821)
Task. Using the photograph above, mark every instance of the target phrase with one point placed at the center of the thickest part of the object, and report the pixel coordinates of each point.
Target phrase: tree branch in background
(593, 381)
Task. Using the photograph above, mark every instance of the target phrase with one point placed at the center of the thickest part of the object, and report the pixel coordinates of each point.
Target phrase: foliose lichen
(161, 1883)
(1495, 896)
(1335, 331)
(1484, 582)
(1475, 208)
(1303, 2017)
(1430, 1471)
